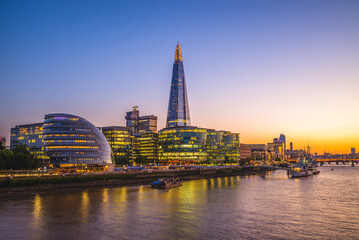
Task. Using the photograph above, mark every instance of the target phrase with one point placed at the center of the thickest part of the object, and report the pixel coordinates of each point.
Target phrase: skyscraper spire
(178, 55)
(178, 111)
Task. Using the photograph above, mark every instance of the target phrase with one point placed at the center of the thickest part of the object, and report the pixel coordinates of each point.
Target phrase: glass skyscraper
(178, 111)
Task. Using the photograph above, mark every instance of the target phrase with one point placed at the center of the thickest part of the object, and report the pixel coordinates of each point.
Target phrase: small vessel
(166, 183)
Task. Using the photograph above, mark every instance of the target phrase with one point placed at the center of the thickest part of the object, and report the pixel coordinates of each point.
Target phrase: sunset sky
(259, 68)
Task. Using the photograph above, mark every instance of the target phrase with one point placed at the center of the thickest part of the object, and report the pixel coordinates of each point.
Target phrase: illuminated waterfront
(319, 207)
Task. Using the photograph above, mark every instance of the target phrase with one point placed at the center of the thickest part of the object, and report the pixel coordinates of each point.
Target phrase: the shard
(178, 110)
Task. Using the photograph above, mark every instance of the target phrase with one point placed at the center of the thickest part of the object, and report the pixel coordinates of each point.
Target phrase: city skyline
(261, 79)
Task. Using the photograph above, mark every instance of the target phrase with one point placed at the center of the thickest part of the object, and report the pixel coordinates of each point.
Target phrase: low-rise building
(30, 135)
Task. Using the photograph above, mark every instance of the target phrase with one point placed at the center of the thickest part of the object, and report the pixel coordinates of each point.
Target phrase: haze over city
(259, 68)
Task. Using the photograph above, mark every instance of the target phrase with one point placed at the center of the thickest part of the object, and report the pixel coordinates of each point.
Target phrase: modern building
(178, 109)
(72, 141)
(145, 147)
(353, 150)
(190, 145)
(132, 119)
(147, 124)
(30, 135)
(246, 151)
(182, 145)
(140, 124)
(276, 151)
(291, 146)
(119, 139)
(259, 152)
(282, 140)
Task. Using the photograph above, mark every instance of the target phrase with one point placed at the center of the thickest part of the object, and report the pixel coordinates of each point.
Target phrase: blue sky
(255, 67)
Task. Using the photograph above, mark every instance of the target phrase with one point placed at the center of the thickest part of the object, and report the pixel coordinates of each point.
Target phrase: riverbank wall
(29, 185)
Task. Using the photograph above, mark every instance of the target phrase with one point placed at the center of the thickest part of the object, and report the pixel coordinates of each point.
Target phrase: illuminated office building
(71, 140)
(188, 145)
(178, 109)
(276, 150)
(182, 145)
(30, 135)
(145, 146)
(119, 139)
(221, 145)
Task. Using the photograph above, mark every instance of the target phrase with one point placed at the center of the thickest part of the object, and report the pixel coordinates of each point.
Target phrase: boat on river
(167, 183)
(304, 168)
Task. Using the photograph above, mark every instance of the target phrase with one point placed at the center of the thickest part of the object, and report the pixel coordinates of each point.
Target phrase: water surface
(253, 207)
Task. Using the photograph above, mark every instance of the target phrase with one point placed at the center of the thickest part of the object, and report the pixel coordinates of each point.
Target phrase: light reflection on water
(266, 207)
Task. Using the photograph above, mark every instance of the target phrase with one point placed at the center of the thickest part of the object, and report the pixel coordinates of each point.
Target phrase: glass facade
(137, 124)
(182, 145)
(30, 135)
(178, 109)
(188, 145)
(119, 139)
(71, 139)
(145, 145)
(147, 124)
(222, 145)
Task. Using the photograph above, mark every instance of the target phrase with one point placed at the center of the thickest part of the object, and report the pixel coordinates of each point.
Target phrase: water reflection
(219, 208)
(37, 208)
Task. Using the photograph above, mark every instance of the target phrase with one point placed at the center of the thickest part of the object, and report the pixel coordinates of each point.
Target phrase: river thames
(325, 206)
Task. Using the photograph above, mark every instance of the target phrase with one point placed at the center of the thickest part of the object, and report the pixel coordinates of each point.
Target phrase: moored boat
(304, 168)
(166, 183)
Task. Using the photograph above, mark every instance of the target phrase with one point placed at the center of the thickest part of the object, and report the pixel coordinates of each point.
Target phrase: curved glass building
(72, 140)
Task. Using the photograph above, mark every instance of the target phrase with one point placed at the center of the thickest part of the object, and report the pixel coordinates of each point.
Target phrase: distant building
(291, 146)
(245, 151)
(3, 141)
(72, 141)
(140, 124)
(276, 150)
(282, 140)
(147, 124)
(353, 150)
(259, 152)
(30, 135)
(132, 119)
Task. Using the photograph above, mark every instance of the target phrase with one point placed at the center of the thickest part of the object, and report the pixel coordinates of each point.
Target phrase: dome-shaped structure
(70, 139)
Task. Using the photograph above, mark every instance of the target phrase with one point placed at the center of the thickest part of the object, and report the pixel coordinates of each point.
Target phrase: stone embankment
(29, 185)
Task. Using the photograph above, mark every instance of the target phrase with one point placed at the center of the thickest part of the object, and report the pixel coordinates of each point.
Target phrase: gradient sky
(259, 68)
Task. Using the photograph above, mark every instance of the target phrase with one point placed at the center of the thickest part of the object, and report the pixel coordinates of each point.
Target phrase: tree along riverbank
(30, 185)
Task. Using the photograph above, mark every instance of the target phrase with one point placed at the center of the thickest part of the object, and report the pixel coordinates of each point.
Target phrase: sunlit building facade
(119, 139)
(30, 135)
(71, 140)
(178, 109)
